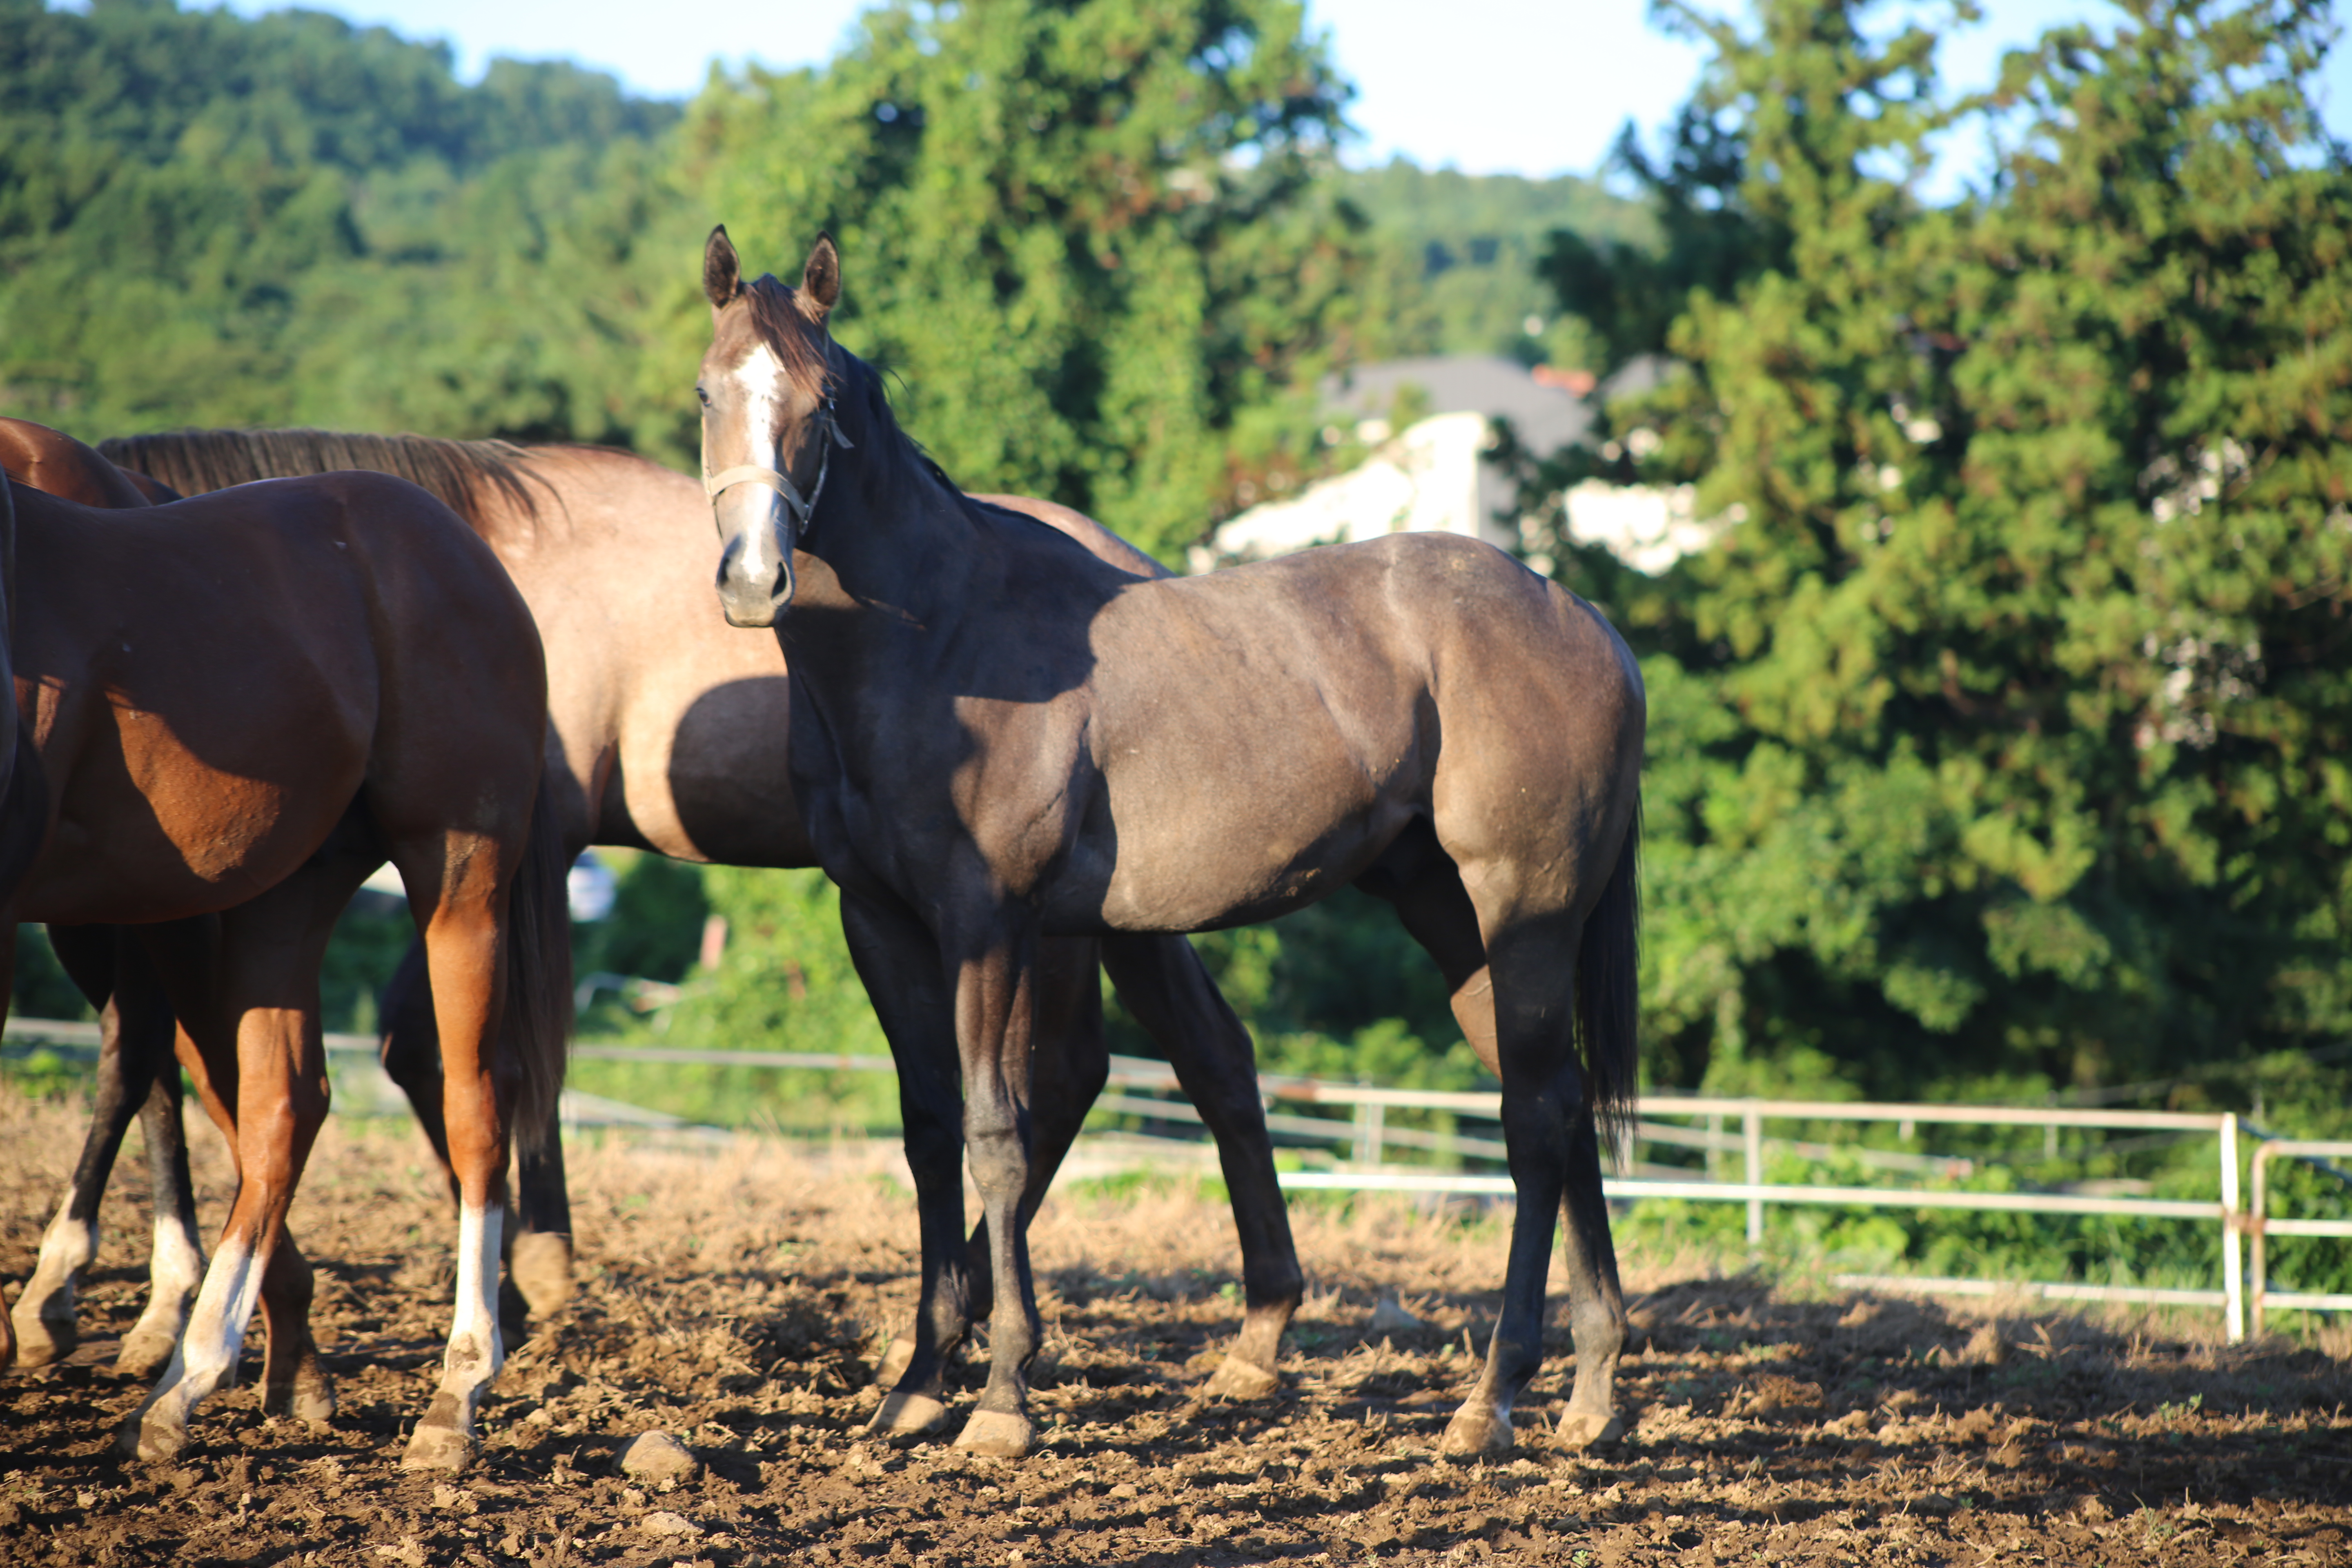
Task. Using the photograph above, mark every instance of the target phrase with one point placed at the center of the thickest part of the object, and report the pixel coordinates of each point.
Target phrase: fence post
(2257, 1219)
(2234, 1278)
(1714, 1146)
(1372, 1125)
(1751, 1135)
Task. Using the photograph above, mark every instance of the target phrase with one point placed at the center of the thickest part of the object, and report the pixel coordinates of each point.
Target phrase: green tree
(1095, 239)
(210, 219)
(2004, 734)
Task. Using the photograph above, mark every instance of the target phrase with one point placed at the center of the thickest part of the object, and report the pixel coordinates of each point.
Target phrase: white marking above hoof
(907, 1415)
(997, 1434)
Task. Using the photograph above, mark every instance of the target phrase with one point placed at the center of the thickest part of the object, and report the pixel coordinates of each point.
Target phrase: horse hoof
(145, 1354)
(1237, 1379)
(542, 1270)
(907, 1416)
(997, 1434)
(315, 1406)
(437, 1448)
(309, 1400)
(152, 1442)
(1579, 1431)
(1474, 1431)
(41, 1340)
(896, 1360)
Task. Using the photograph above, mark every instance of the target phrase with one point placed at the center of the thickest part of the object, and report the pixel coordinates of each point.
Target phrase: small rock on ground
(658, 1456)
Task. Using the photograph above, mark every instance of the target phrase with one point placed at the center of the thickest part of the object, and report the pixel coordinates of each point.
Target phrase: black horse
(998, 739)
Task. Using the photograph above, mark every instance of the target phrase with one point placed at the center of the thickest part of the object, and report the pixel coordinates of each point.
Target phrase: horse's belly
(1199, 871)
(149, 828)
(133, 872)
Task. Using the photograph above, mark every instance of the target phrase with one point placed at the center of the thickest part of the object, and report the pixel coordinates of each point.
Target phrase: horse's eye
(703, 397)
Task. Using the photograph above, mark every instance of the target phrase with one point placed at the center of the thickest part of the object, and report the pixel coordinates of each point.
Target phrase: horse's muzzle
(755, 576)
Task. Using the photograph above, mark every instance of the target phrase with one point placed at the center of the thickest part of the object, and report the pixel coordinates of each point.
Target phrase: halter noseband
(800, 511)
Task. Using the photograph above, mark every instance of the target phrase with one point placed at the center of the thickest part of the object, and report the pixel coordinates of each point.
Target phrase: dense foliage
(205, 219)
(2003, 738)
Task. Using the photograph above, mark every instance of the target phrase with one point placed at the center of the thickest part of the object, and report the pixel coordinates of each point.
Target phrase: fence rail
(1367, 1135)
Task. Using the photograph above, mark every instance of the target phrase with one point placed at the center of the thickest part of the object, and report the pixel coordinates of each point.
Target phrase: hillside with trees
(1998, 750)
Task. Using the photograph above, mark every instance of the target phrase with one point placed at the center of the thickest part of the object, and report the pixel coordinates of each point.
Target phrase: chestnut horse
(997, 740)
(668, 733)
(136, 1072)
(242, 705)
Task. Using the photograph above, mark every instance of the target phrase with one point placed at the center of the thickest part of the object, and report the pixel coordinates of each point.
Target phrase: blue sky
(1530, 87)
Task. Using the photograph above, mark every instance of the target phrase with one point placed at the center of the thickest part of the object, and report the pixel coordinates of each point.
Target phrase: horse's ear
(723, 269)
(821, 279)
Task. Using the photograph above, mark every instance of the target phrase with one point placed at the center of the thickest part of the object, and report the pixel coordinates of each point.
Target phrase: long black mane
(464, 476)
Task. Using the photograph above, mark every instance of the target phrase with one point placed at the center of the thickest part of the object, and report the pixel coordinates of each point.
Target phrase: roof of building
(1545, 417)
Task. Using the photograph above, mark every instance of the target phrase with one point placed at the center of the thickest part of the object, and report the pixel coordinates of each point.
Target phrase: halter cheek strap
(798, 509)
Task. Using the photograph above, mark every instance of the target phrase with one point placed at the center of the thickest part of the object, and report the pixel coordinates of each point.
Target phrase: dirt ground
(735, 1294)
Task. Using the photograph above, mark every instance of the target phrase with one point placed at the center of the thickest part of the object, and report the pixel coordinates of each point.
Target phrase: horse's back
(1298, 712)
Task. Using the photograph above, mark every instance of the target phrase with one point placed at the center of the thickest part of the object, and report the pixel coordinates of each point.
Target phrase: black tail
(538, 975)
(1609, 991)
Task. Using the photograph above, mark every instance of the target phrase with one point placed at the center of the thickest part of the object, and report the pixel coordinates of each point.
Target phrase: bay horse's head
(768, 428)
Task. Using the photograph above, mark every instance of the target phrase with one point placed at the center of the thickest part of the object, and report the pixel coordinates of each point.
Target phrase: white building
(1432, 476)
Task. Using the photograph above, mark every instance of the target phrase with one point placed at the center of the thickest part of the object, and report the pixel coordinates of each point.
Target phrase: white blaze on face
(761, 381)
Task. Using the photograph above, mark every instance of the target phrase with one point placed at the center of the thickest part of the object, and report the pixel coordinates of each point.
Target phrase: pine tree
(2004, 732)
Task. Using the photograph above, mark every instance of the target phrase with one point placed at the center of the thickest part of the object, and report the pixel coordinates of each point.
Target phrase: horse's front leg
(994, 964)
(1069, 1062)
(898, 961)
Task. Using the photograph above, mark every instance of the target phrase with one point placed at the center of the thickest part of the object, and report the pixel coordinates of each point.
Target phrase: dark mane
(464, 476)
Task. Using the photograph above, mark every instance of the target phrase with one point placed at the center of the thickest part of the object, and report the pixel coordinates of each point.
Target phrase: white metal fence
(1366, 1135)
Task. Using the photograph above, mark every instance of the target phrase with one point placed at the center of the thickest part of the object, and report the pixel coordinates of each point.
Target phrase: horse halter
(799, 509)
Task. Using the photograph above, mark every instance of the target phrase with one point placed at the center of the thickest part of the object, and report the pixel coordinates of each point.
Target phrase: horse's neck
(906, 544)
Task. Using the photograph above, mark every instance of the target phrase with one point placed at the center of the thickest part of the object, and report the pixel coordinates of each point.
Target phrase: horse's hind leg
(540, 1236)
(540, 1261)
(464, 940)
(410, 1050)
(293, 1382)
(1596, 1303)
(270, 952)
(1546, 1129)
(136, 1033)
(176, 1264)
(1162, 981)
